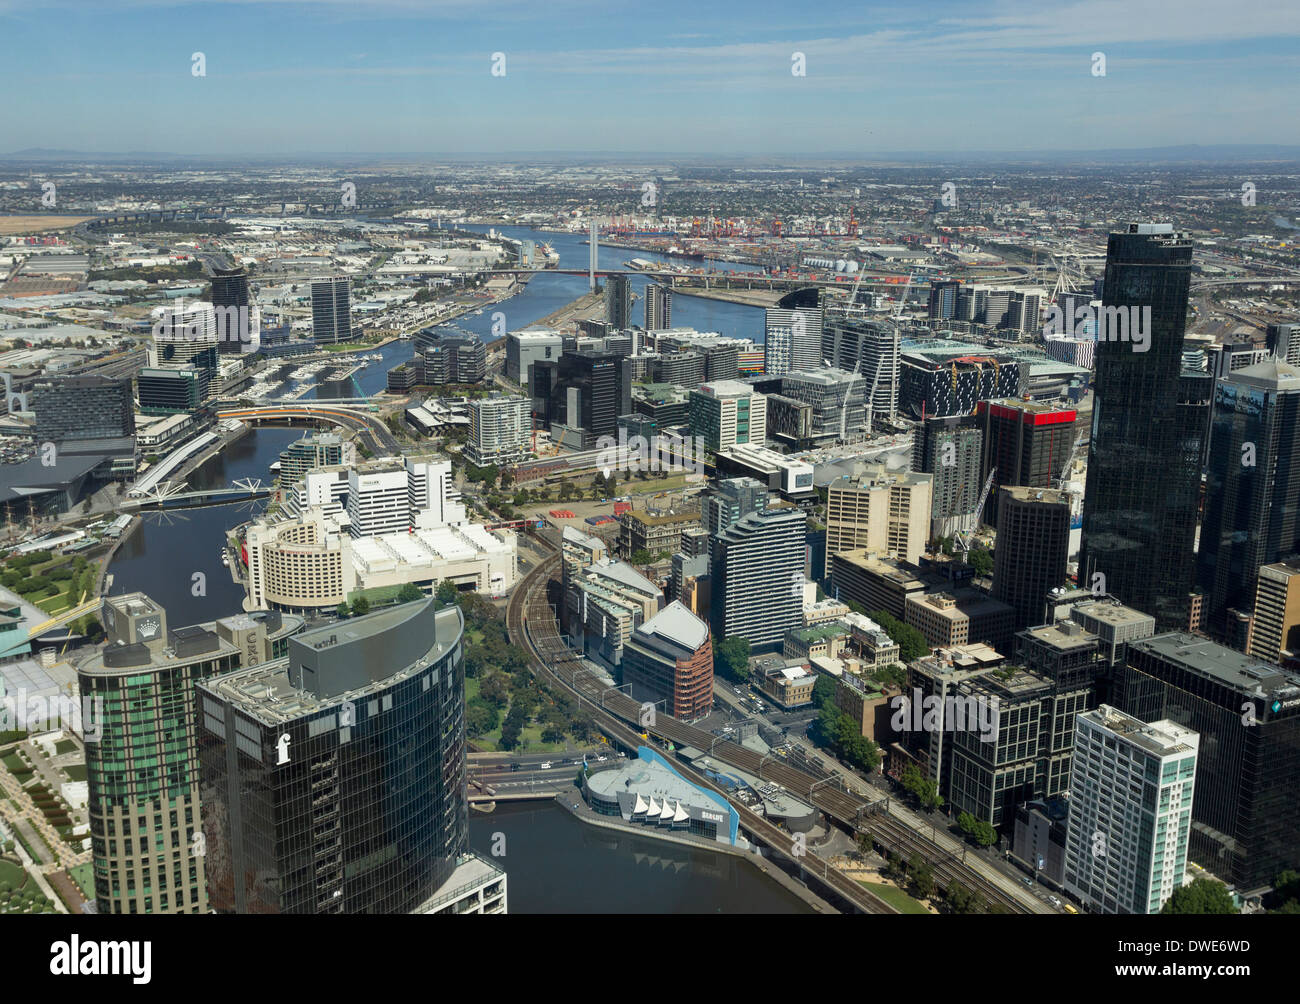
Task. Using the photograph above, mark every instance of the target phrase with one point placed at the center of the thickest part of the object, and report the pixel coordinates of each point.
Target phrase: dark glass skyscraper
(331, 309)
(1148, 428)
(1245, 816)
(1252, 497)
(230, 290)
(585, 392)
(333, 781)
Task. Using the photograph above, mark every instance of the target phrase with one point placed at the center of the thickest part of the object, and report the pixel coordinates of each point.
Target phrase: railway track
(524, 603)
(530, 618)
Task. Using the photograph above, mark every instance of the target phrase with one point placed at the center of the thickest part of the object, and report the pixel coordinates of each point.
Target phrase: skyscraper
(943, 300)
(871, 350)
(658, 307)
(499, 428)
(83, 407)
(757, 569)
(1275, 623)
(1252, 491)
(581, 395)
(334, 780)
(1246, 818)
(792, 340)
(618, 301)
(142, 774)
(1148, 429)
(331, 309)
(1032, 549)
(952, 450)
(669, 658)
(886, 511)
(233, 310)
(1130, 811)
(1283, 341)
(728, 412)
(1026, 443)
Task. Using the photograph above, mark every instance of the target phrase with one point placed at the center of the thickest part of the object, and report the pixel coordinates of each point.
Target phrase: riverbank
(573, 804)
(746, 297)
(586, 307)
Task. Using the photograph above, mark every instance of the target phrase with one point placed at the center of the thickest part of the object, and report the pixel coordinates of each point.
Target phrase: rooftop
(1216, 662)
(1162, 738)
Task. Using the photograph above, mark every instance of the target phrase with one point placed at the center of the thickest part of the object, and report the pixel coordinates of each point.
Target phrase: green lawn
(12, 762)
(895, 897)
(84, 876)
(14, 875)
(64, 746)
(75, 772)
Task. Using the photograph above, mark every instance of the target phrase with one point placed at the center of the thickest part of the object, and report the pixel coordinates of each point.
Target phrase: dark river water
(557, 864)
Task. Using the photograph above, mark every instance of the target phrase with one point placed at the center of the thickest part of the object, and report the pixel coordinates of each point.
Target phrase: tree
(447, 591)
(1200, 896)
(510, 731)
(731, 657)
(409, 593)
(925, 789)
(494, 690)
(642, 557)
(922, 876)
(480, 717)
(911, 643)
(343, 610)
(981, 561)
(360, 606)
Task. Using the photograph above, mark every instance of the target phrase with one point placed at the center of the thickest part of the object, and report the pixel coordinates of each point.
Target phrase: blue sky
(701, 77)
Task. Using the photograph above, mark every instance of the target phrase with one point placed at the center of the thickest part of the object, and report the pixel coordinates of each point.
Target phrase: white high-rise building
(379, 501)
(1131, 793)
(432, 495)
(182, 331)
(523, 348)
(792, 340)
(499, 428)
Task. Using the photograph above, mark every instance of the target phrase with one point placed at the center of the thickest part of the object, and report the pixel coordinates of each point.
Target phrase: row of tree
(838, 732)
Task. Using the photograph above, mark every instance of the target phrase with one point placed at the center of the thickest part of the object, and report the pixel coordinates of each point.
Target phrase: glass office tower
(1148, 430)
(333, 781)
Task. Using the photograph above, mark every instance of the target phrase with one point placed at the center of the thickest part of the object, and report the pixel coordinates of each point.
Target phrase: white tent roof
(654, 807)
(667, 814)
(682, 815)
(640, 805)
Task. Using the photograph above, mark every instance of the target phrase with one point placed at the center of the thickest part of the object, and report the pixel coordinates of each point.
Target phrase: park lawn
(64, 746)
(530, 741)
(13, 763)
(15, 875)
(75, 772)
(895, 897)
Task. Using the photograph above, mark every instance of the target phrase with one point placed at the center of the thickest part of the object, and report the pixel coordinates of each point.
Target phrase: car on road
(514, 766)
(1053, 900)
(1028, 881)
(602, 758)
(546, 765)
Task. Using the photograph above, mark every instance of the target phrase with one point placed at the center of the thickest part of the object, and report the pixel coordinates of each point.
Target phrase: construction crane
(1069, 461)
(964, 539)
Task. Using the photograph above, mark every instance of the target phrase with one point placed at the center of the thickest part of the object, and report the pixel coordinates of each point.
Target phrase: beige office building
(1273, 630)
(886, 511)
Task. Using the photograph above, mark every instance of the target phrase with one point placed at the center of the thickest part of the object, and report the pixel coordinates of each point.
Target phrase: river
(557, 864)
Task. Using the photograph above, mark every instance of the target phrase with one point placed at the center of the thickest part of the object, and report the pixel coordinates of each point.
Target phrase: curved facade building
(142, 772)
(333, 781)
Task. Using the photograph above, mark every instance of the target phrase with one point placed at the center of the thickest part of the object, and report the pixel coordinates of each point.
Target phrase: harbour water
(556, 864)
